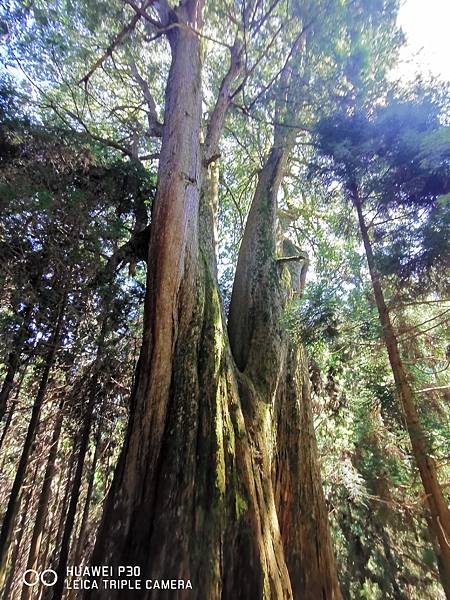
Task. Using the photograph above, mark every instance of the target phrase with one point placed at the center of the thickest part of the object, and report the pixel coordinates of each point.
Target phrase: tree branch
(154, 126)
(115, 42)
(135, 248)
(222, 104)
(288, 259)
(165, 28)
(432, 389)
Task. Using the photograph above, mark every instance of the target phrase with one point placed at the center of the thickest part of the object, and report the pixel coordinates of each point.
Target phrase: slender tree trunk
(51, 528)
(43, 503)
(439, 511)
(87, 502)
(12, 409)
(8, 382)
(15, 496)
(393, 569)
(63, 513)
(6, 427)
(14, 361)
(58, 589)
(19, 535)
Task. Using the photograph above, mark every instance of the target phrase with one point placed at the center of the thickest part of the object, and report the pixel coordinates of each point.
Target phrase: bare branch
(141, 11)
(286, 259)
(154, 126)
(226, 94)
(115, 42)
(94, 136)
(235, 202)
(249, 70)
(135, 249)
(432, 389)
(153, 156)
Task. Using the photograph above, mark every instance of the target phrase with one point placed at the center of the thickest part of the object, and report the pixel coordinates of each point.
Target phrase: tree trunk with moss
(299, 497)
(193, 496)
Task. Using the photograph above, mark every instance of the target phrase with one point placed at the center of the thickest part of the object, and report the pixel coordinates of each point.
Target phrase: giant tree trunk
(16, 491)
(439, 521)
(192, 497)
(279, 402)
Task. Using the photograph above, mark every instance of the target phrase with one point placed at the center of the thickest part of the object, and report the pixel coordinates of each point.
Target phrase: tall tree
(374, 170)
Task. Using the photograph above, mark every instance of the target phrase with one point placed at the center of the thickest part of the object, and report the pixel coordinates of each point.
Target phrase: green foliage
(398, 157)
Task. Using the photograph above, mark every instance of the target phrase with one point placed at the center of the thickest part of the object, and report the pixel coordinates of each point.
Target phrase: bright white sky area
(426, 24)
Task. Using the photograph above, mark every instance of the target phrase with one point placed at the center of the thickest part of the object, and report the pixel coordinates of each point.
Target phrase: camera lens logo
(47, 578)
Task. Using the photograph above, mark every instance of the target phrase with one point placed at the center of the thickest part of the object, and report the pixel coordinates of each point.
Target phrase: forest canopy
(225, 302)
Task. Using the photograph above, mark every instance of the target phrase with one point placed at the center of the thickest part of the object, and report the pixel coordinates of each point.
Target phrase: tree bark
(169, 313)
(439, 511)
(299, 496)
(52, 524)
(11, 411)
(277, 368)
(15, 496)
(47, 592)
(58, 589)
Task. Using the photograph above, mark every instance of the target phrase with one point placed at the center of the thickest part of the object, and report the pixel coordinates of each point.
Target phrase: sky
(426, 25)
